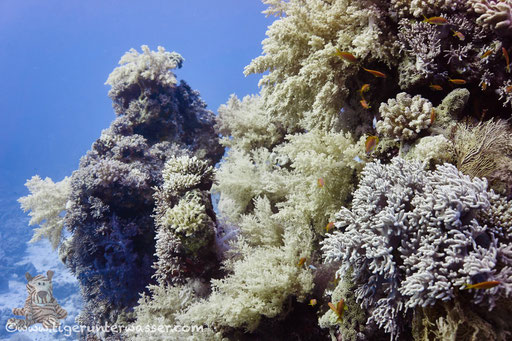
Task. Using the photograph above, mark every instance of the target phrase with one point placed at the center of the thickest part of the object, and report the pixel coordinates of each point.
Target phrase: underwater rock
(112, 246)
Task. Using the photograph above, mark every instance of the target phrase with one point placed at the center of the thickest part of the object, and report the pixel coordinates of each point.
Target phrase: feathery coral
(46, 203)
(307, 84)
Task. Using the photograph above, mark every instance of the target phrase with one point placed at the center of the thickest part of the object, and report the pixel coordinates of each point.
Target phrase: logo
(40, 305)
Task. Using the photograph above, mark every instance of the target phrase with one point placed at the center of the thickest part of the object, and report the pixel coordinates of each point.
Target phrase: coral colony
(365, 192)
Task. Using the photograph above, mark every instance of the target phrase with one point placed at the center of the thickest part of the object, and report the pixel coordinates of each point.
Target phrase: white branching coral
(305, 86)
(412, 239)
(404, 117)
(245, 124)
(184, 172)
(432, 150)
(136, 68)
(259, 285)
(46, 202)
(495, 14)
(290, 172)
(186, 217)
(418, 8)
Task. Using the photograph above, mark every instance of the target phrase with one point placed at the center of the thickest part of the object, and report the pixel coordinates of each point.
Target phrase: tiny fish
(329, 226)
(364, 104)
(320, 182)
(371, 143)
(457, 81)
(507, 59)
(486, 54)
(374, 122)
(357, 159)
(375, 73)
(484, 112)
(301, 261)
(508, 88)
(482, 285)
(436, 87)
(435, 20)
(312, 267)
(338, 309)
(459, 35)
(364, 88)
(313, 302)
(347, 56)
(432, 116)
(484, 86)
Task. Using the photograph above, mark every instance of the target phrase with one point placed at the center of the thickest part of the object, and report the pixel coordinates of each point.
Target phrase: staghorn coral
(404, 117)
(494, 14)
(307, 84)
(505, 93)
(412, 240)
(46, 202)
(421, 43)
(433, 55)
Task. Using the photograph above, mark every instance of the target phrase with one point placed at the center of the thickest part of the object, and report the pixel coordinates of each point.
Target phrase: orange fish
(364, 104)
(436, 87)
(484, 86)
(508, 88)
(313, 302)
(457, 81)
(482, 285)
(371, 143)
(507, 59)
(432, 116)
(347, 56)
(375, 73)
(364, 88)
(459, 35)
(320, 182)
(338, 309)
(435, 20)
(301, 261)
(329, 226)
(486, 54)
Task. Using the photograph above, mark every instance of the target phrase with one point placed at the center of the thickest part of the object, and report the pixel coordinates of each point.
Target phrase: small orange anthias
(483, 285)
(435, 20)
(371, 143)
(375, 73)
(507, 59)
(338, 309)
(346, 56)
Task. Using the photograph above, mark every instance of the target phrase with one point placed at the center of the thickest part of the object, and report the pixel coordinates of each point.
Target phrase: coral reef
(412, 240)
(311, 217)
